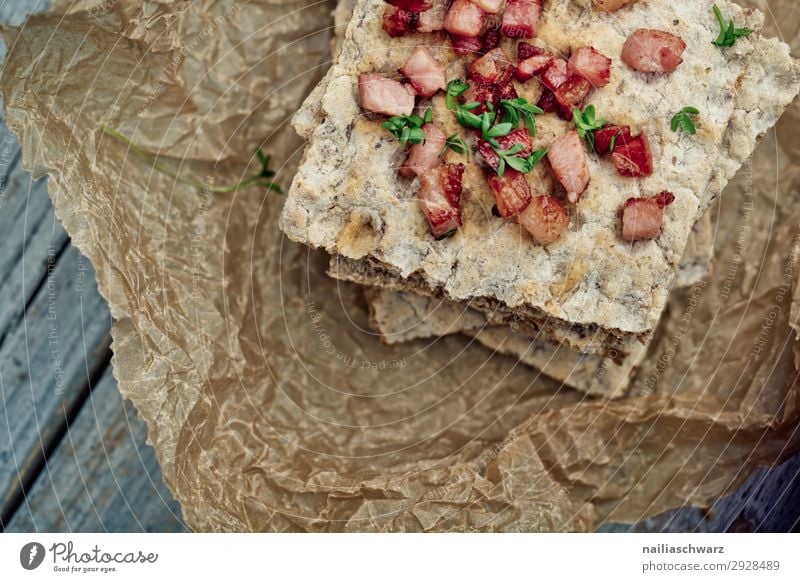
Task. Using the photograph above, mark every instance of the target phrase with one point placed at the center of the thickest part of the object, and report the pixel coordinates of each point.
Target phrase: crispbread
(400, 317)
(589, 289)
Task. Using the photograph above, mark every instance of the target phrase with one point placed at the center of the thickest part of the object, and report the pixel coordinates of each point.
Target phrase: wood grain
(102, 478)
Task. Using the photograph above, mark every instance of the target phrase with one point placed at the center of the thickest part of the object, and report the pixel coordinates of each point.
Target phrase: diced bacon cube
(568, 160)
(439, 197)
(653, 51)
(464, 19)
(642, 218)
(591, 65)
(412, 5)
(516, 137)
(424, 73)
(547, 101)
(602, 138)
(493, 68)
(545, 218)
(632, 157)
(398, 22)
(433, 20)
(380, 94)
(570, 94)
(511, 192)
(532, 66)
(466, 45)
(526, 50)
(424, 156)
(521, 18)
(490, 6)
(479, 93)
(555, 74)
(490, 39)
(504, 91)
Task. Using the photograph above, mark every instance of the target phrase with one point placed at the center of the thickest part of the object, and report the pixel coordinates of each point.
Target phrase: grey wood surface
(73, 455)
(102, 477)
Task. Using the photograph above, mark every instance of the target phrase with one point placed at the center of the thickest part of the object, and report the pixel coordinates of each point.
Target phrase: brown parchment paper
(269, 403)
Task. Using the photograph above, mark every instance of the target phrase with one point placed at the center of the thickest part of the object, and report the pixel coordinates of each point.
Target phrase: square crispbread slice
(400, 317)
(589, 288)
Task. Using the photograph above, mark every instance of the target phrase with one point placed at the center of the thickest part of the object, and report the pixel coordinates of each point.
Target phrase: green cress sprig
(512, 111)
(455, 143)
(683, 120)
(586, 123)
(408, 128)
(261, 179)
(728, 33)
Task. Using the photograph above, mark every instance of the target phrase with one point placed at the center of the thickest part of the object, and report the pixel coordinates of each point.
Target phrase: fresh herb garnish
(261, 179)
(408, 128)
(455, 143)
(683, 120)
(728, 33)
(455, 89)
(509, 158)
(586, 123)
(514, 109)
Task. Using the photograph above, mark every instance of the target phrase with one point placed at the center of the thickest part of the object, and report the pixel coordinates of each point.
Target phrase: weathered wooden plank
(45, 366)
(31, 234)
(104, 477)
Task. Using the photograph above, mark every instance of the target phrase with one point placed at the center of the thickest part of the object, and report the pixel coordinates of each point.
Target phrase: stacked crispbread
(583, 310)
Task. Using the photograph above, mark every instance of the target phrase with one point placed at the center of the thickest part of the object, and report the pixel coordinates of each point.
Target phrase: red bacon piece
(571, 93)
(532, 66)
(397, 22)
(412, 5)
(526, 50)
(632, 157)
(466, 45)
(545, 218)
(547, 101)
(516, 137)
(602, 138)
(433, 19)
(642, 218)
(464, 19)
(424, 156)
(490, 40)
(489, 6)
(383, 95)
(504, 91)
(424, 73)
(511, 192)
(439, 197)
(493, 68)
(591, 65)
(653, 51)
(568, 160)
(555, 74)
(521, 18)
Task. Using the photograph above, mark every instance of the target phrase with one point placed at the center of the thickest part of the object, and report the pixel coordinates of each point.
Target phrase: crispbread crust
(590, 284)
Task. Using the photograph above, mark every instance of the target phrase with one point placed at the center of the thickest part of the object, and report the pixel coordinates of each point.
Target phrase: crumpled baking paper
(270, 404)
